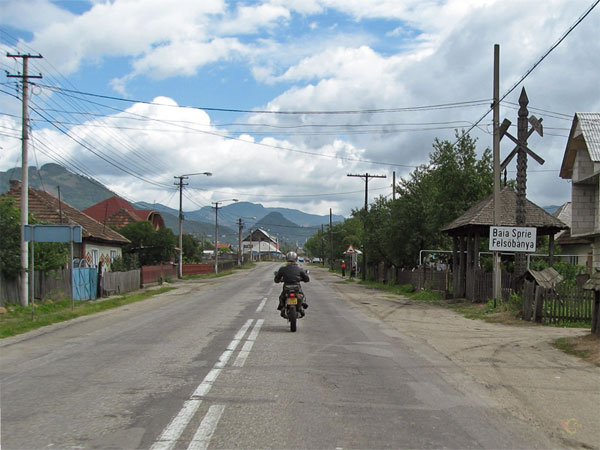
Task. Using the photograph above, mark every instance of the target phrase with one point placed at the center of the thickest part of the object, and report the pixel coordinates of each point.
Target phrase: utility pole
(322, 246)
(331, 239)
(497, 284)
(217, 230)
(24, 173)
(394, 185)
(181, 184)
(240, 226)
(366, 177)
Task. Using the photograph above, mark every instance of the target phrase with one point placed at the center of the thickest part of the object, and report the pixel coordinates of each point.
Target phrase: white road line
(169, 436)
(204, 387)
(173, 431)
(262, 305)
(207, 428)
(256, 329)
(245, 351)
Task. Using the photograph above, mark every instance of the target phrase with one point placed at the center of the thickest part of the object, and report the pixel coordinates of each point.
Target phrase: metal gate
(85, 282)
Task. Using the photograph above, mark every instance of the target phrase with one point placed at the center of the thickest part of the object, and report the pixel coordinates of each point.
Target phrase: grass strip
(17, 319)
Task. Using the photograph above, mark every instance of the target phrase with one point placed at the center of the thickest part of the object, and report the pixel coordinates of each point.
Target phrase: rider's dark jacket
(291, 274)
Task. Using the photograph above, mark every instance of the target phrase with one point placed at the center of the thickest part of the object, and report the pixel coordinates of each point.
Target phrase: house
(578, 250)
(99, 242)
(116, 213)
(581, 165)
(260, 243)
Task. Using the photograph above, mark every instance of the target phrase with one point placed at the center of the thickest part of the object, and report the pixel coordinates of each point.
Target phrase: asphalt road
(212, 365)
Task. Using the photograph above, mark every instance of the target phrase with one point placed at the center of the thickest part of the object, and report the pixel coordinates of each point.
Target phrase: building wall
(105, 254)
(583, 167)
(586, 209)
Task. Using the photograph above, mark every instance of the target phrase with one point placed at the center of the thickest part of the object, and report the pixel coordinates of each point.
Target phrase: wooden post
(455, 267)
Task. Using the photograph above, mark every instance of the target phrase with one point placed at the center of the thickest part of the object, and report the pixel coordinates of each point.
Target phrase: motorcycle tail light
(292, 294)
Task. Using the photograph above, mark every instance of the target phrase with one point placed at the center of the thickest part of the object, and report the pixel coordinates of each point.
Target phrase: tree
(10, 218)
(152, 246)
(192, 250)
(48, 255)
(432, 196)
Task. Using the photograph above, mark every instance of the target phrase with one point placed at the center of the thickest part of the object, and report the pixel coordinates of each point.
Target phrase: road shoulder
(516, 365)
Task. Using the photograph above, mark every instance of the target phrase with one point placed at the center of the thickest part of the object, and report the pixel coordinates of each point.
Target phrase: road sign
(53, 233)
(513, 239)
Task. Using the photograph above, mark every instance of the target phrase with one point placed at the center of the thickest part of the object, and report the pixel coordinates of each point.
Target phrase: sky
(281, 100)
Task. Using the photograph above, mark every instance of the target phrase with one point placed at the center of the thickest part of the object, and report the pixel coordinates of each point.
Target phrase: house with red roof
(116, 213)
(100, 243)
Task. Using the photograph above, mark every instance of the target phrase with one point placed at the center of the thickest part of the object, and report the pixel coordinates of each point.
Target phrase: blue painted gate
(85, 283)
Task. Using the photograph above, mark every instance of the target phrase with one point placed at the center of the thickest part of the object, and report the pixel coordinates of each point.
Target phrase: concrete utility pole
(24, 173)
(181, 184)
(366, 177)
(331, 238)
(240, 253)
(217, 230)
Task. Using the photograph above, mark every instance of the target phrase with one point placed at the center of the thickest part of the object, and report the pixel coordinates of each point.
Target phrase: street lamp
(217, 230)
(240, 253)
(181, 184)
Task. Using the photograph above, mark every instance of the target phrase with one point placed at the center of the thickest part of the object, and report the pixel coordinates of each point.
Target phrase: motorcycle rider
(291, 273)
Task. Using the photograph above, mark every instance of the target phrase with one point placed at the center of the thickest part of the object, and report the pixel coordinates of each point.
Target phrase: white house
(581, 165)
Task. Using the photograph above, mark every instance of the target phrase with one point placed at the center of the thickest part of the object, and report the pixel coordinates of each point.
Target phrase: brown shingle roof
(47, 209)
(481, 215)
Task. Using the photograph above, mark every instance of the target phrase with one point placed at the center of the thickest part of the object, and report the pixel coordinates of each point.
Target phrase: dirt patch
(586, 347)
(515, 363)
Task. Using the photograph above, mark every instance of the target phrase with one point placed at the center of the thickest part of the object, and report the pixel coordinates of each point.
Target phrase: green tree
(192, 250)
(151, 246)
(48, 255)
(10, 218)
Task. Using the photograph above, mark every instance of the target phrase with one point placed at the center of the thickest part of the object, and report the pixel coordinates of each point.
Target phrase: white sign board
(513, 239)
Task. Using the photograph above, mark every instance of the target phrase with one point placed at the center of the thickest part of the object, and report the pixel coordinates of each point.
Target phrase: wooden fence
(53, 285)
(559, 305)
(120, 282)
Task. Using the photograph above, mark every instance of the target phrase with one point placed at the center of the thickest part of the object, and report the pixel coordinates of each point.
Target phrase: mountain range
(289, 225)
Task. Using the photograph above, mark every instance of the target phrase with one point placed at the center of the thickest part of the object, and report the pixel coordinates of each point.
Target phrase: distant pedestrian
(343, 269)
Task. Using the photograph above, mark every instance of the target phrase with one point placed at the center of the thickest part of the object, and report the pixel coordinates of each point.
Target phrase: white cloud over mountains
(313, 55)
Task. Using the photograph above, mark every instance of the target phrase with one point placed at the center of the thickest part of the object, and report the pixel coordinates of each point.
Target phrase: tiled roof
(110, 211)
(106, 208)
(482, 215)
(585, 129)
(47, 209)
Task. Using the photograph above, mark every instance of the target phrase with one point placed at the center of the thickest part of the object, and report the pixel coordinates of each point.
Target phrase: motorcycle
(292, 307)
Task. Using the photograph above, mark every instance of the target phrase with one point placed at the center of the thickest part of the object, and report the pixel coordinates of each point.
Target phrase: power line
(537, 63)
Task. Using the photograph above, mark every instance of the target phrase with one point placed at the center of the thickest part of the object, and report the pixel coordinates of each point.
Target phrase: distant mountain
(82, 192)
(285, 230)
(233, 211)
(76, 190)
(550, 209)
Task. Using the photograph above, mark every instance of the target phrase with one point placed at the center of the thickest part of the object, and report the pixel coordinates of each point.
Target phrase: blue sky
(287, 56)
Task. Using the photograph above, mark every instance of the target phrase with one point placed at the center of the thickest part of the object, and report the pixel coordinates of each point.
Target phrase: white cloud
(320, 69)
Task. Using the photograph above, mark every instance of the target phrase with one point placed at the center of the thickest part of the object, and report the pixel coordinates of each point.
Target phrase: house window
(113, 255)
(95, 257)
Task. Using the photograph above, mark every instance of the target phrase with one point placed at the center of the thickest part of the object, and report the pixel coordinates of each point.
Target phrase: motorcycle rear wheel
(291, 313)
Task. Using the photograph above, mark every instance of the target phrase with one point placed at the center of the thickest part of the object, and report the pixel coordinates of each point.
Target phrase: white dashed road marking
(170, 435)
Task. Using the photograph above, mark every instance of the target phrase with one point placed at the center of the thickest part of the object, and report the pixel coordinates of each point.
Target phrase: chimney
(15, 185)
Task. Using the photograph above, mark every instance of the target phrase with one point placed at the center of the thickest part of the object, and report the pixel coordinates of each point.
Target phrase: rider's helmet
(291, 257)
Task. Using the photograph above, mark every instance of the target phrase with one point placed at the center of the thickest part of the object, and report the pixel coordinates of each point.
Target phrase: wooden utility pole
(497, 284)
(366, 177)
(24, 172)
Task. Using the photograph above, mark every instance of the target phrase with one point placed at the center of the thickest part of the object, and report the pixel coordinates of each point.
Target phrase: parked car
(316, 260)
(300, 258)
